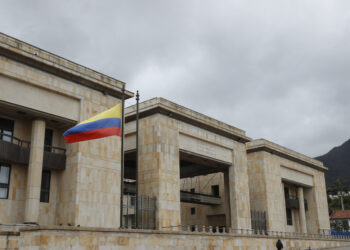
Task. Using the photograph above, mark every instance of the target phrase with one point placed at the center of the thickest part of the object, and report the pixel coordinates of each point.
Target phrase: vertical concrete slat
(239, 189)
(159, 173)
(31, 214)
(227, 198)
(302, 216)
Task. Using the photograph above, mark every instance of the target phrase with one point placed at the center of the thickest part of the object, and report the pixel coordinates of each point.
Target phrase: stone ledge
(181, 113)
(162, 232)
(38, 58)
(267, 146)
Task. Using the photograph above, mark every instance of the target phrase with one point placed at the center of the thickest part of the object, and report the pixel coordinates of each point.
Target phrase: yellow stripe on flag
(115, 112)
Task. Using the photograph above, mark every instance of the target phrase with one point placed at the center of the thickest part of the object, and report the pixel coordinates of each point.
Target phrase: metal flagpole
(122, 162)
(137, 157)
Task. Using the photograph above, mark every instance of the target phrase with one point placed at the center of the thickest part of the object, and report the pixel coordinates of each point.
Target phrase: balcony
(292, 202)
(54, 158)
(16, 151)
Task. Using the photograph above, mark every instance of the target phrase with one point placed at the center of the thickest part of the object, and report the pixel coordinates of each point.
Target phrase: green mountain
(338, 163)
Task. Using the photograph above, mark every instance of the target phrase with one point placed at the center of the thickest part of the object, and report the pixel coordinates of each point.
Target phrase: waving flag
(105, 124)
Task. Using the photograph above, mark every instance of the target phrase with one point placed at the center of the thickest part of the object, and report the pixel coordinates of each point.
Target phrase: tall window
(6, 129)
(48, 140)
(288, 210)
(5, 172)
(45, 186)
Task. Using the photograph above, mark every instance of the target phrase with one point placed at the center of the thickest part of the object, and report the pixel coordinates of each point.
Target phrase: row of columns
(32, 202)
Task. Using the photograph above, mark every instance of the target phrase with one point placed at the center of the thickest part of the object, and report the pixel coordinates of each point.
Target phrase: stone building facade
(41, 95)
(199, 170)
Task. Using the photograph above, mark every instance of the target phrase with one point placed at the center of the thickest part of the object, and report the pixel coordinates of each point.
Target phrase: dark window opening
(286, 193)
(288, 210)
(5, 173)
(192, 190)
(6, 129)
(193, 210)
(48, 140)
(45, 186)
(215, 190)
(289, 216)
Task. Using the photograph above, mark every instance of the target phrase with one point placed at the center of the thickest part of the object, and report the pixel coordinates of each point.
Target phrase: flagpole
(137, 156)
(122, 162)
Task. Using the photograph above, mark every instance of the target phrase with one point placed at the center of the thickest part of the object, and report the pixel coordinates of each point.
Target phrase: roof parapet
(267, 146)
(38, 58)
(176, 111)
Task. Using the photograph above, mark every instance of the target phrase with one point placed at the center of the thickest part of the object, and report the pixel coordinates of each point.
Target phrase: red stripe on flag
(93, 134)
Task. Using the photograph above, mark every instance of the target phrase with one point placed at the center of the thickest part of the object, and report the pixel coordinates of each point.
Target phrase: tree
(340, 189)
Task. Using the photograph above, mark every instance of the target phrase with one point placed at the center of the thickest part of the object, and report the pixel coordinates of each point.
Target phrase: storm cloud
(277, 69)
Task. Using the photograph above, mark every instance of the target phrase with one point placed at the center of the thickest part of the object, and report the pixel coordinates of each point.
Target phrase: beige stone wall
(208, 215)
(92, 238)
(159, 169)
(88, 190)
(266, 185)
(180, 135)
(12, 209)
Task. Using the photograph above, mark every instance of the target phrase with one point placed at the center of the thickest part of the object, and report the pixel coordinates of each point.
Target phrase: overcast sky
(279, 70)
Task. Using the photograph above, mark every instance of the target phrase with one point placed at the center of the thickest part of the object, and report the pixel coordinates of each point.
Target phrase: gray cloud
(277, 69)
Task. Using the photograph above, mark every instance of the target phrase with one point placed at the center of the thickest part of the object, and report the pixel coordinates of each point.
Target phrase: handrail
(14, 139)
(26, 144)
(53, 149)
(323, 233)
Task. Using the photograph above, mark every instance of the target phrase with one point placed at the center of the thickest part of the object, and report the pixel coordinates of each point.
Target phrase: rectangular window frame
(6, 185)
(289, 212)
(48, 139)
(193, 210)
(6, 129)
(44, 191)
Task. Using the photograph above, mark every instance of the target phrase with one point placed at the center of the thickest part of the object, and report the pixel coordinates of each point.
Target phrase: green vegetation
(342, 202)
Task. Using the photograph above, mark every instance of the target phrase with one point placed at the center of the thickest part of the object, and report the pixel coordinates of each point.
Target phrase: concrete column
(227, 199)
(302, 216)
(159, 168)
(238, 187)
(31, 214)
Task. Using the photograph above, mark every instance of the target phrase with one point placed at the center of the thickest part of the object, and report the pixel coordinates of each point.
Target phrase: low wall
(97, 238)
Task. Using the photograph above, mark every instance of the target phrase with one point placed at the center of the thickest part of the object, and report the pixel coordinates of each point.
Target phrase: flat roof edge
(35, 57)
(163, 106)
(267, 146)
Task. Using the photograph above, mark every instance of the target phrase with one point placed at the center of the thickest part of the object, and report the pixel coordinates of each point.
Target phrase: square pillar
(236, 183)
(302, 217)
(35, 168)
(159, 168)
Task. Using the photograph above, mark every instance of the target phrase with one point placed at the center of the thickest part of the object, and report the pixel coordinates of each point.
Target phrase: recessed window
(48, 140)
(215, 190)
(288, 210)
(5, 172)
(193, 210)
(45, 186)
(6, 129)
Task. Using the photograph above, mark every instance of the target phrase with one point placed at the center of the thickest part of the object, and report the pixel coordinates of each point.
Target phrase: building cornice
(273, 148)
(35, 57)
(162, 106)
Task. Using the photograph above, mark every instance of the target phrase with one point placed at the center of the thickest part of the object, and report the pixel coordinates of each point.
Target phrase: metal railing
(324, 234)
(146, 214)
(15, 150)
(55, 150)
(14, 140)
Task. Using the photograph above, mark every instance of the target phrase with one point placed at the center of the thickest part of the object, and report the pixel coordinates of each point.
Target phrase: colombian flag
(105, 124)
